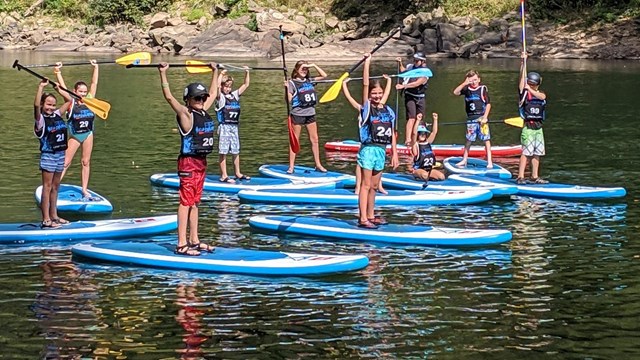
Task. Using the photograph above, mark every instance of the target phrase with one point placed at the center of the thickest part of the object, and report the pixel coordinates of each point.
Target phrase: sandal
(200, 246)
(242, 177)
(227, 180)
(540, 181)
(48, 224)
(521, 181)
(378, 220)
(367, 225)
(60, 221)
(186, 250)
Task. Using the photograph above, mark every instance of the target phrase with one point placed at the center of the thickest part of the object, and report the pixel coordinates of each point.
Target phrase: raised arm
(458, 90)
(387, 89)
(414, 134)
(37, 111)
(365, 78)
(213, 87)
(434, 129)
(94, 79)
(245, 85)
(57, 70)
(347, 94)
(523, 71)
(166, 90)
(401, 65)
(319, 70)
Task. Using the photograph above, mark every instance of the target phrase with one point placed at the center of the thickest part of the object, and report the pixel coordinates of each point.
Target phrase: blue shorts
(52, 162)
(80, 137)
(372, 157)
(474, 129)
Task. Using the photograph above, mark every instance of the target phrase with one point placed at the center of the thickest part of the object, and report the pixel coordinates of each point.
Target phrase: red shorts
(192, 171)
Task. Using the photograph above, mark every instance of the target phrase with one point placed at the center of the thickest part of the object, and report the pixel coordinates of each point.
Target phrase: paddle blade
(334, 90)
(415, 73)
(135, 58)
(198, 67)
(294, 144)
(99, 107)
(515, 121)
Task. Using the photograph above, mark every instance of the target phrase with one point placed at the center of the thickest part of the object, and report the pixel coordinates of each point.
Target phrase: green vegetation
(482, 9)
(588, 11)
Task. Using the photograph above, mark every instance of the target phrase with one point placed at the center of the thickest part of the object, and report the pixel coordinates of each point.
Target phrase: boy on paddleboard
(532, 106)
(196, 128)
(477, 105)
(376, 127)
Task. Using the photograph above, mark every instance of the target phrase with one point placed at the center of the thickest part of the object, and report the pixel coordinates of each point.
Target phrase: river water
(565, 287)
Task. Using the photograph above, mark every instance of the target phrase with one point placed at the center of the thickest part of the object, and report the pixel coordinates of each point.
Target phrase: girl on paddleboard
(228, 112)
(80, 122)
(196, 128)
(532, 108)
(376, 123)
(424, 159)
(302, 96)
(51, 130)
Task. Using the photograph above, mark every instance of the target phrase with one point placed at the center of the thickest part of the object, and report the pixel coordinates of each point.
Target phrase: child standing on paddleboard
(51, 130)
(532, 107)
(376, 125)
(302, 96)
(424, 159)
(414, 93)
(196, 128)
(228, 111)
(80, 121)
(477, 105)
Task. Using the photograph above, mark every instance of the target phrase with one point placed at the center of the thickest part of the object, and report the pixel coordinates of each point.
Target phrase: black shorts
(414, 106)
(303, 120)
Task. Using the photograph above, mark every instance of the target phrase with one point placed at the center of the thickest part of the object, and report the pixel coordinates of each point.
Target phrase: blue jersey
(376, 124)
(304, 94)
(80, 118)
(53, 135)
(199, 139)
(228, 109)
(475, 101)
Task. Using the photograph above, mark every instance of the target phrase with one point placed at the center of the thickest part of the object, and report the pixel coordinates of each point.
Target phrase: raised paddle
(135, 58)
(332, 93)
(414, 73)
(99, 107)
(134, 66)
(294, 143)
(199, 67)
(514, 121)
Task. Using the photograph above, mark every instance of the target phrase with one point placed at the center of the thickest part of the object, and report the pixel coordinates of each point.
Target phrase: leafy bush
(252, 24)
(112, 11)
(67, 8)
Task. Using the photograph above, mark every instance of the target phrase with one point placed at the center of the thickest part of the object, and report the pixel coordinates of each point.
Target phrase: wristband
(165, 85)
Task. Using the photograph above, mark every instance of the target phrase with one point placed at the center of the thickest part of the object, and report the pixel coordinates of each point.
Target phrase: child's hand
(386, 76)
(162, 67)
(399, 59)
(419, 117)
(483, 120)
(434, 116)
(56, 69)
(246, 68)
(213, 65)
(399, 86)
(93, 63)
(44, 82)
(346, 80)
(524, 55)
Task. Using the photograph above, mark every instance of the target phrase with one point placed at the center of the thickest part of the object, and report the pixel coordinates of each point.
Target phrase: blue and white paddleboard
(394, 234)
(307, 174)
(70, 199)
(348, 197)
(475, 167)
(408, 182)
(552, 190)
(213, 183)
(222, 260)
(80, 230)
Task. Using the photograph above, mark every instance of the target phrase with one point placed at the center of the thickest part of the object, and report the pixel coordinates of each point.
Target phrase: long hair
(296, 68)
(44, 97)
(78, 84)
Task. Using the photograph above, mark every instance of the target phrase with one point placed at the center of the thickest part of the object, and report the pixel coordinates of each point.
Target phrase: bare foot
(461, 164)
(489, 166)
(383, 191)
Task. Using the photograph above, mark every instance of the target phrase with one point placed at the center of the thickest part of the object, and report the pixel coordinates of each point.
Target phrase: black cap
(534, 78)
(195, 89)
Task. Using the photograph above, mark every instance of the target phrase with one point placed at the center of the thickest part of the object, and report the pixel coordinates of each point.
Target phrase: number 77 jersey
(228, 108)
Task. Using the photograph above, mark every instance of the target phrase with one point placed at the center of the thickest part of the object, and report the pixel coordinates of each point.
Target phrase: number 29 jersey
(376, 124)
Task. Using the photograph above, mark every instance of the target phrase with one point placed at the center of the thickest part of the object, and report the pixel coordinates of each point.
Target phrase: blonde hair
(472, 72)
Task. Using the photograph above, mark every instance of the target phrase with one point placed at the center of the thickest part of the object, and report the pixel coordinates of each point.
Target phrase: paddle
(135, 58)
(524, 33)
(199, 67)
(514, 121)
(99, 107)
(134, 66)
(332, 93)
(414, 73)
(294, 143)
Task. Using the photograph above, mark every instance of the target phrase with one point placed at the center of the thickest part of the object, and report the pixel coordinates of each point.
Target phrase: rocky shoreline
(318, 36)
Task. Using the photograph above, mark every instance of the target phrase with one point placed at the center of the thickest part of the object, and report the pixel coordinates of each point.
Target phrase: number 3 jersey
(199, 139)
(228, 109)
(376, 124)
(475, 101)
(80, 118)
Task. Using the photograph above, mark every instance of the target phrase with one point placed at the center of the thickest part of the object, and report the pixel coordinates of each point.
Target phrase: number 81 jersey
(304, 95)
(376, 124)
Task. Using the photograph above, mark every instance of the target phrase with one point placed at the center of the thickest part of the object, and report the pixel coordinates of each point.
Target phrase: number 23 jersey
(376, 124)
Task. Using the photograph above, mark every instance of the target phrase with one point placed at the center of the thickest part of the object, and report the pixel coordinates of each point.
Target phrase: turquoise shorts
(372, 157)
(80, 137)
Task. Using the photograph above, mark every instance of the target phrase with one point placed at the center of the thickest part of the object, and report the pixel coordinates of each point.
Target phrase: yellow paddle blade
(515, 121)
(99, 107)
(334, 90)
(139, 58)
(199, 68)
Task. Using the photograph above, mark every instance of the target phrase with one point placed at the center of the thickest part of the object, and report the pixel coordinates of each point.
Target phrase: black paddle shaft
(284, 70)
(71, 64)
(16, 65)
(393, 32)
(129, 66)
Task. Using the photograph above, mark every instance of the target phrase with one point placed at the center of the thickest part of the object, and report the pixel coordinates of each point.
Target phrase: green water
(565, 287)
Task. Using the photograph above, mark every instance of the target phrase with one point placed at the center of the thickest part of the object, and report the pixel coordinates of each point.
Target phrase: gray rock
(447, 36)
(120, 39)
(159, 20)
(59, 46)
(465, 21)
(412, 41)
(331, 22)
(99, 49)
(37, 37)
(474, 33)
(491, 38)
(174, 21)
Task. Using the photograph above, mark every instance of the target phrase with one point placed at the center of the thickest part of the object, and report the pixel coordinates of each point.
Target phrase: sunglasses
(199, 98)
